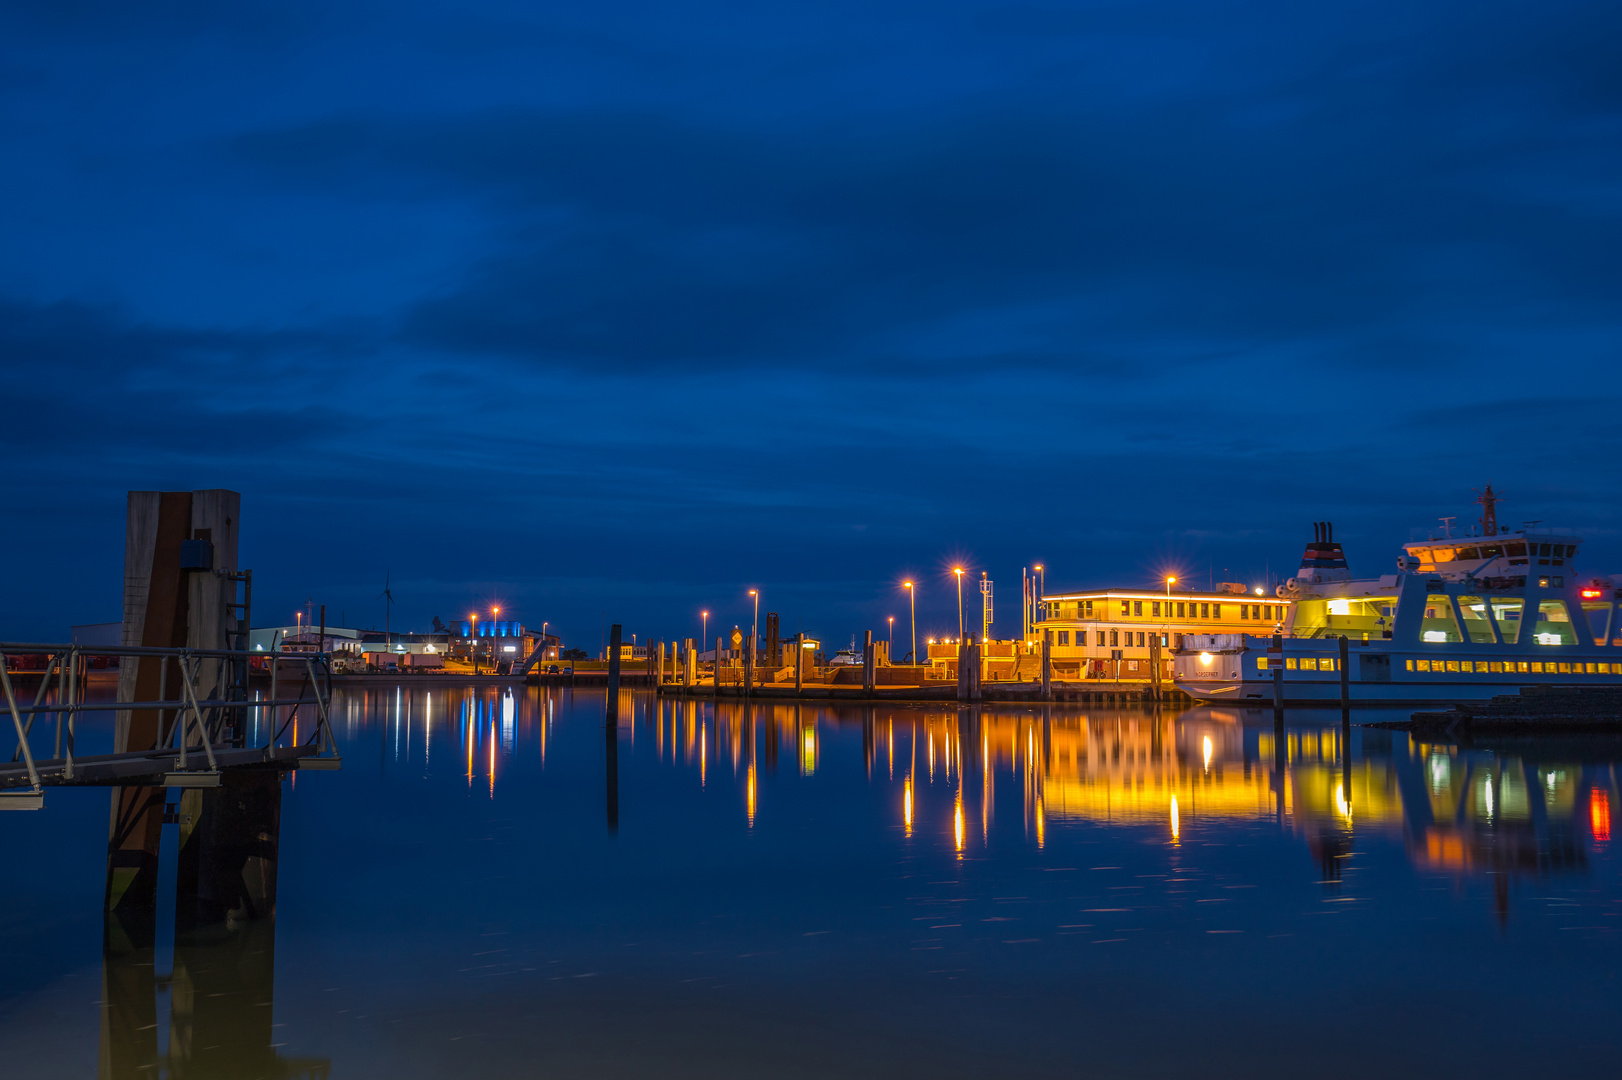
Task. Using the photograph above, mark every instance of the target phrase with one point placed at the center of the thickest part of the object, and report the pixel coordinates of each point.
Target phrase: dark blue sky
(628, 308)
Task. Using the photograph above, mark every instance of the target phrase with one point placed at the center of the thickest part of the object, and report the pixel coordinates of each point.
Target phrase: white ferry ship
(1462, 619)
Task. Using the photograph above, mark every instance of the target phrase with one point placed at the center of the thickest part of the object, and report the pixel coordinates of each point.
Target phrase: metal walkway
(205, 715)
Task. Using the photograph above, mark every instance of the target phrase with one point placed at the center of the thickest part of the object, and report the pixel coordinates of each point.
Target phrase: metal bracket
(329, 764)
(22, 800)
(191, 779)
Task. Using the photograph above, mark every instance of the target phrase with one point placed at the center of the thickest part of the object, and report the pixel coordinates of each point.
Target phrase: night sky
(622, 309)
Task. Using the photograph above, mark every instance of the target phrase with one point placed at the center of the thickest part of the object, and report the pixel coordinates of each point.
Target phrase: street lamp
(1170, 581)
(473, 640)
(912, 603)
(754, 629)
(891, 646)
(703, 629)
(958, 570)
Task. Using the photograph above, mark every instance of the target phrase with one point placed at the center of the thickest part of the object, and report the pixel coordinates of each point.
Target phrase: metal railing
(204, 705)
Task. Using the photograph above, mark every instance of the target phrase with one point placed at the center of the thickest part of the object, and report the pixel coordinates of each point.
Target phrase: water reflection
(220, 995)
(1456, 808)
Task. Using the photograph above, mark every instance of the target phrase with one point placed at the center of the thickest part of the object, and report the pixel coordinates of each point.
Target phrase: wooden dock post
(1275, 660)
(689, 667)
(614, 672)
(962, 671)
(974, 668)
(717, 669)
(867, 662)
(1047, 665)
(1345, 677)
(799, 661)
(749, 668)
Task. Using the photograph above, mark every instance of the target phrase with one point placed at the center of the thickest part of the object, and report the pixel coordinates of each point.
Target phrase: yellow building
(1108, 634)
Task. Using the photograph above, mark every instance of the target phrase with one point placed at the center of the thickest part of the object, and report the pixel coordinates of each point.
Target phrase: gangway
(205, 710)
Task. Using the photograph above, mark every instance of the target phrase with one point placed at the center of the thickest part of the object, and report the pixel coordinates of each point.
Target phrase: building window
(1101, 639)
(1244, 611)
(1154, 609)
(1140, 639)
(1137, 607)
(1126, 608)
(1089, 609)
(1114, 639)
(1216, 611)
(1163, 638)
(1179, 609)
(1064, 637)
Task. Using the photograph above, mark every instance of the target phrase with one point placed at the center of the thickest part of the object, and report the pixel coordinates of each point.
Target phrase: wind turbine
(388, 609)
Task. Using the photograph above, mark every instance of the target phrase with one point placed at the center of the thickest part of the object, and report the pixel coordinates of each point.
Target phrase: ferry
(851, 657)
(1464, 618)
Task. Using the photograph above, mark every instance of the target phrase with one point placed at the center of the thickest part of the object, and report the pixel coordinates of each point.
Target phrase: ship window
(1411, 665)
(1439, 624)
(1543, 549)
(1517, 548)
(1309, 663)
(1289, 663)
(1476, 623)
(1064, 637)
(1571, 549)
(1491, 552)
(1137, 607)
(1424, 665)
(1442, 554)
(1261, 663)
(1554, 624)
(1599, 622)
(1453, 665)
(1469, 553)
(1326, 664)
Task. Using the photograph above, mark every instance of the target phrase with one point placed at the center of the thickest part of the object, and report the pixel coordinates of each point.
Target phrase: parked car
(568, 669)
(551, 669)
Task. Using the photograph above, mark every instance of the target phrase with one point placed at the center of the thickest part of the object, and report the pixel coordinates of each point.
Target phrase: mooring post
(1345, 679)
(799, 662)
(1154, 667)
(613, 672)
(228, 849)
(1047, 665)
(974, 667)
(717, 669)
(962, 671)
(1275, 661)
(748, 668)
(867, 662)
(611, 761)
(660, 681)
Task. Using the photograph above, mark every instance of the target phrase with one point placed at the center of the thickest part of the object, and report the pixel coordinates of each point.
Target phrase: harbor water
(499, 884)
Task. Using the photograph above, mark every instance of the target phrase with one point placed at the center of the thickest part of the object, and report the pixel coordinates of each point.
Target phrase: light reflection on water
(799, 890)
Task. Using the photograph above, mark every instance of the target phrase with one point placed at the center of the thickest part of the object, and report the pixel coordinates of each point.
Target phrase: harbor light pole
(912, 603)
(473, 640)
(703, 630)
(891, 646)
(958, 570)
(754, 628)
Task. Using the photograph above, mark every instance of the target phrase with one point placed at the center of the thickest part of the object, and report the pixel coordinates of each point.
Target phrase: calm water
(852, 892)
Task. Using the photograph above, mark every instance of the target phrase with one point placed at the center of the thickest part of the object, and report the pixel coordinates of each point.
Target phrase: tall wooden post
(688, 667)
(1047, 665)
(1345, 675)
(799, 661)
(749, 665)
(717, 672)
(975, 658)
(867, 662)
(614, 671)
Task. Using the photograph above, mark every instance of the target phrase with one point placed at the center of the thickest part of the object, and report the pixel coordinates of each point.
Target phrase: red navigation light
(1599, 814)
(1593, 594)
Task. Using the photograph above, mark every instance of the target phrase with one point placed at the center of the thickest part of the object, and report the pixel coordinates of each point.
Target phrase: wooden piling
(717, 669)
(1345, 675)
(799, 661)
(614, 672)
(1047, 665)
(867, 661)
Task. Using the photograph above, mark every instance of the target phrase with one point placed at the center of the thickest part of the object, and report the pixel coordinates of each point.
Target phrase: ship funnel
(1323, 561)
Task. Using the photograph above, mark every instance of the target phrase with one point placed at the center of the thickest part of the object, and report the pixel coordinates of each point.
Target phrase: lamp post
(703, 630)
(912, 604)
(958, 570)
(754, 628)
(473, 640)
(891, 645)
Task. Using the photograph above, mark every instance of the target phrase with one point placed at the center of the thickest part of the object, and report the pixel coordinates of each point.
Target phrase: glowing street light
(473, 639)
(754, 628)
(958, 570)
(703, 629)
(892, 637)
(912, 603)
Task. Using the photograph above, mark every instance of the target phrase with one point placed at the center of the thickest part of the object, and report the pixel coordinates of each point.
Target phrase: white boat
(1462, 619)
(851, 657)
